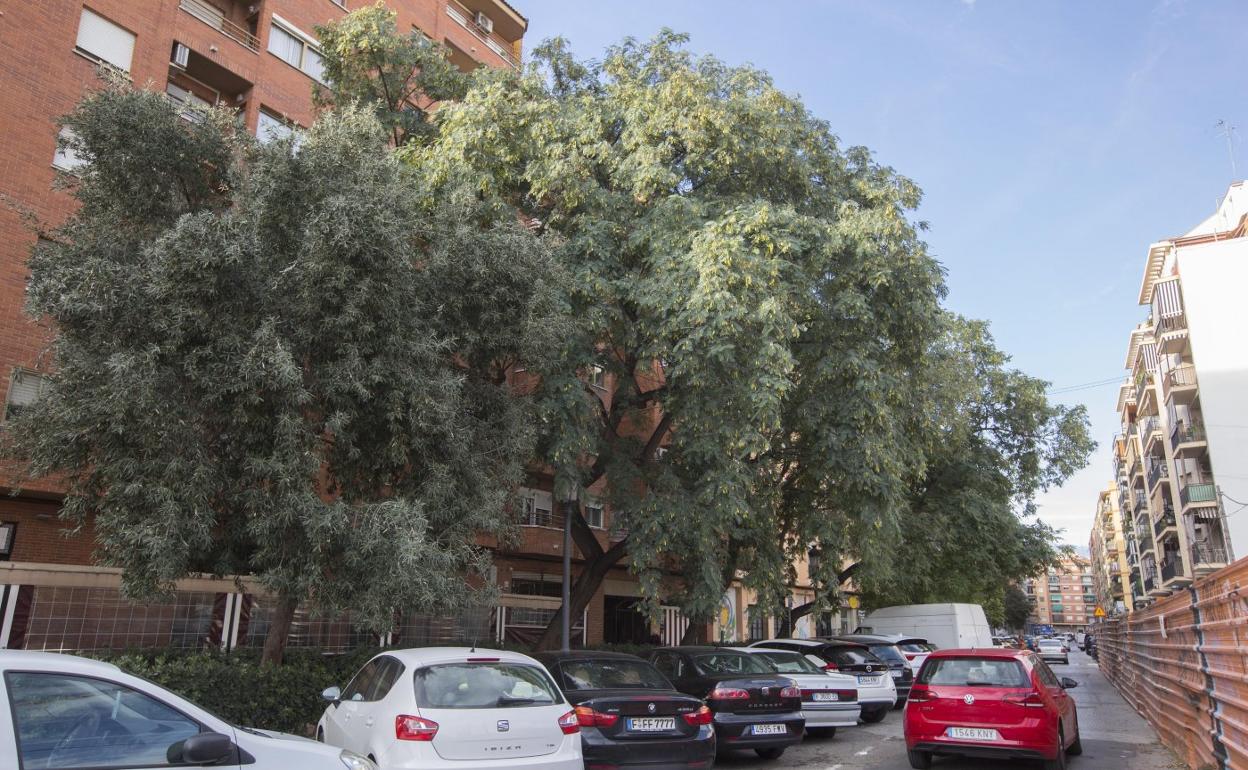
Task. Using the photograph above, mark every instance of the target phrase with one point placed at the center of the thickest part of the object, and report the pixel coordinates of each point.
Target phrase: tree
(277, 361)
(1017, 608)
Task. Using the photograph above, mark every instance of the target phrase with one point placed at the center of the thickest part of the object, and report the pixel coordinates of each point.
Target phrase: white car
(65, 711)
(829, 700)
(877, 692)
(915, 648)
(1053, 650)
(454, 707)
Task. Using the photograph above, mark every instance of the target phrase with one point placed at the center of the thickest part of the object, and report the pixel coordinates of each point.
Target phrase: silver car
(1053, 650)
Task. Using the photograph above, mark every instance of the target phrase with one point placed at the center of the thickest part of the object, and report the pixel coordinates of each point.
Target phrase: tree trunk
(695, 633)
(583, 590)
(802, 610)
(279, 629)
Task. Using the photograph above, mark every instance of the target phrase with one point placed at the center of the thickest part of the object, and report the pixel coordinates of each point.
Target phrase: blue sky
(1053, 141)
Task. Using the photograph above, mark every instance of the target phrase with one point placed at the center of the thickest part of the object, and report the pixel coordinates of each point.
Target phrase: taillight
(728, 693)
(1065, 649)
(587, 717)
(831, 667)
(791, 692)
(702, 716)
(911, 656)
(409, 728)
(569, 723)
(922, 696)
(1031, 700)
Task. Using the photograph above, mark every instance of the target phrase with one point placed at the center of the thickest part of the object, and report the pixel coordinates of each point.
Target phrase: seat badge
(503, 725)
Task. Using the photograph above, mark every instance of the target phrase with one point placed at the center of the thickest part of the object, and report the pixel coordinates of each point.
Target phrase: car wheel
(920, 760)
(1076, 746)
(821, 732)
(1058, 762)
(901, 703)
(772, 753)
(875, 715)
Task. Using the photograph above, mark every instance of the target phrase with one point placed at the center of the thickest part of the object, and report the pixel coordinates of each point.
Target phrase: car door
(1061, 699)
(72, 720)
(342, 725)
(366, 715)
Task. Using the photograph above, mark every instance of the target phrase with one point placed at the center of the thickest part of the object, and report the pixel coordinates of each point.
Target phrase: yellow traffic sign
(1100, 613)
(852, 602)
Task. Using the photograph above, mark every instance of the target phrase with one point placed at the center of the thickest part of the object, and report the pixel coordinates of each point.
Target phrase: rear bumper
(659, 754)
(732, 731)
(843, 716)
(1055, 658)
(980, 751)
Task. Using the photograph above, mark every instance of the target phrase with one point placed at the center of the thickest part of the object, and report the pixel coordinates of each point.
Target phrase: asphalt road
(1114, 738)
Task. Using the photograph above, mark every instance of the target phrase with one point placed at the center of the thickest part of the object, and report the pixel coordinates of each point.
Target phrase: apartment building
(1065, 597)
(1111, 574)
(1182, 455)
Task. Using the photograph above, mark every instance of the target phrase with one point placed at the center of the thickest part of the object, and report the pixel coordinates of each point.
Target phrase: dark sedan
(886, 649)
(753, 707)
(630, 714)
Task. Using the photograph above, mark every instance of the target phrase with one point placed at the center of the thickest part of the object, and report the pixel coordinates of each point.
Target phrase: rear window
(483, 686)
(852, 656)
(731, 663)
(887, 652)
(1052, 643)
(609, 674)
(790, 663)
(973, 672)
(913, 647)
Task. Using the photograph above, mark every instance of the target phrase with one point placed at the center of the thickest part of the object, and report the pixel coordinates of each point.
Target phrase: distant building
(1111, 574)
(1064, 597)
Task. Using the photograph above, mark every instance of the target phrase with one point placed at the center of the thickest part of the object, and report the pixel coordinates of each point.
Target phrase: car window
(852, 656)
(483, 686)
(887, 652)
(66, 721)
(790, 663)
(913, 648)
(667, 664)
(973, 672)
(361, 686)
(731, 663)
(1046, 675)
(611, 674)
(391, 669)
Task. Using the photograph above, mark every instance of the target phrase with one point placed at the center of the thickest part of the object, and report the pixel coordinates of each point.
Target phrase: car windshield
(790, 663)
(611, 674)
(888, 652)
(731, 663)
(483, 686)
(973, 672)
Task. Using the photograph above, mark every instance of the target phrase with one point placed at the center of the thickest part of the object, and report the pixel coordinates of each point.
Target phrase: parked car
(752, 706)
(829, 699)
(67, 711)
(886, 650)
(945, 625)
(877, 694)
(915, 649)
(1090, 646)
(443, 707)
(630, 714)
(989, 703)
(1053, 649)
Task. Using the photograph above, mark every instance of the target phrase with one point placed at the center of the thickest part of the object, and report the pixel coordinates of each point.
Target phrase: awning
(1167, 302)
(1207, 513)
(1149, 351)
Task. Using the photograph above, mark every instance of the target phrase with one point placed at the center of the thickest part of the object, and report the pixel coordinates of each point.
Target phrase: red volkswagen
(992, 703)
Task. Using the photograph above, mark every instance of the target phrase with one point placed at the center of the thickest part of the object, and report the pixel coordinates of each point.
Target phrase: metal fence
(1183, 664)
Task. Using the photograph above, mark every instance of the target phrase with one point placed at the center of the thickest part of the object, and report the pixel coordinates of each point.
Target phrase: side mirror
(332, 694)
(201, 749)
(1068, 683)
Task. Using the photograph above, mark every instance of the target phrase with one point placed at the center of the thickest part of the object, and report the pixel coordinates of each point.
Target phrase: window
(191, 104)
(973, 672)
(593, 513)
(362, 684)
(484, 686)
(667, 663)
(270, 128)
(66, 157)
(597, 376)
(101, 40)
(536, 508)
(532, 584)
(757, 623)
(731, 663)
(611, 674)
(296, 49)
(24, 389)
(76, 721)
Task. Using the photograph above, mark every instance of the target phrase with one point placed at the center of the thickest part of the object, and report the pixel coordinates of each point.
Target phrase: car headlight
(354, 761)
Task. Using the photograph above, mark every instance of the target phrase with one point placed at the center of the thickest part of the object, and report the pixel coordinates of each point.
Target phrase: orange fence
(1183, 664)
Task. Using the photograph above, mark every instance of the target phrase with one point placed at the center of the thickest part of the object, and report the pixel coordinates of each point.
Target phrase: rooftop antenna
(1227, 130)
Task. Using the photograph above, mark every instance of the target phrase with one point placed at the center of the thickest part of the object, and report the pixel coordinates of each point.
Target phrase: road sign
(1100, 613)
(852, 602)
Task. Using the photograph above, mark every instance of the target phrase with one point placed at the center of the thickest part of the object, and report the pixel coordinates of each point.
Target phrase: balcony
(1149, 427)
(1171, 334)
(1158, 470)
(220, 21)
(1194, 494)
(1171, 568)
(1180, 385)
(1139, 501)
(1164, 522)
(1188, 437)
(1206, 556)
(467, 19)
(1149, 584)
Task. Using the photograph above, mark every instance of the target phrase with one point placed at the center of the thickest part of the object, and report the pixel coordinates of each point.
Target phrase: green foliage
(258, 371)
(1016, 608)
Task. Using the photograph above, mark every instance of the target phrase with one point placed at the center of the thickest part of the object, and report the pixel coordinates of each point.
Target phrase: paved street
(1114, 738)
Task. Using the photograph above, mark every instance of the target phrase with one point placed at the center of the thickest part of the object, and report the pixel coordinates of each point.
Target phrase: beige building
(1064, 597)
(1111, 574)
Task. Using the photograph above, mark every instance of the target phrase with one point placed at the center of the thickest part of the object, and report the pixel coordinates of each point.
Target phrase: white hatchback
(444, 707)
(65, 711)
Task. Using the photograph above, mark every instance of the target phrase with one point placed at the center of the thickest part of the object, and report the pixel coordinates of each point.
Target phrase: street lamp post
(569, 510)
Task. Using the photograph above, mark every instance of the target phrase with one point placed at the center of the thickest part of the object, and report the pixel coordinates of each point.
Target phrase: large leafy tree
(1017, 607)
(277, 361)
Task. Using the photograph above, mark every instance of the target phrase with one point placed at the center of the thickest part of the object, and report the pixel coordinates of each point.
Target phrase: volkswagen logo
(968, 699)
(650, 707)
(503, 725)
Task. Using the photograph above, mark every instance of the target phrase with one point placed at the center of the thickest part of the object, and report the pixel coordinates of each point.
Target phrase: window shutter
(105, 40)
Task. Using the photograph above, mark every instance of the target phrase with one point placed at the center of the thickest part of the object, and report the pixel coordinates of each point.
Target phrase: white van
(944, 625)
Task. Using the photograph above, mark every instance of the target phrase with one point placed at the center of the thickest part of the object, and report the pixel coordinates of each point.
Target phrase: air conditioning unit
(180, 55)
(485, 22)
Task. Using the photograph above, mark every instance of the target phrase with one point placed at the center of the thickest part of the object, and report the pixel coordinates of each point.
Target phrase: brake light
(587, 717)
(791, 692)
(569, 723)
(702, 716)
(911, 656)
(1065, 649)
(1031, 700)
(831, 667)
(729, 693)
(483, 660)
(922, 696)
(410, 728)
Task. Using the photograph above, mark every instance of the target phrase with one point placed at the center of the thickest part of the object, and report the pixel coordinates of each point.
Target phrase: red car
(992, 703)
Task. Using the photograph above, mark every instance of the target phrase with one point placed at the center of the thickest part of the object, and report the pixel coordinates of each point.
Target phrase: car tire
(772, 753)
(875, 715)
(900, 704)
(920, 760)
(1059, 761)
(821, 732)
(1076, 746)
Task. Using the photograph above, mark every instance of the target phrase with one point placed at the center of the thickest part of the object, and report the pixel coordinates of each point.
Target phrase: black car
(874, 696)
(886, 650)
(630, 714)
(752, 706)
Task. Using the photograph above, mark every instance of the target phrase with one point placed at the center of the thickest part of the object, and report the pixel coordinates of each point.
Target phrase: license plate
(973, 734)
(869, 681)
(769, 730)
(824, 696)
(650, 724)
(897, 674)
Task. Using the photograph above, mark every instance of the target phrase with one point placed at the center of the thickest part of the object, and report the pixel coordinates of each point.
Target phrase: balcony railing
(1148, 426)
(1171, 568)
(1181, 377)
(1157, 470)
(214, 18)
(1198, 493)
(1164, 522)
(1186, 433)
(1148, 584)
(1140, 500)
(1203, 553)
(1174, 323)
(468, 20)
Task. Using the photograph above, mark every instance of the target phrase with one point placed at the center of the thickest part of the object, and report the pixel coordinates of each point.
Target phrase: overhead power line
(1085, 386)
